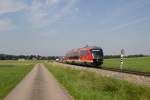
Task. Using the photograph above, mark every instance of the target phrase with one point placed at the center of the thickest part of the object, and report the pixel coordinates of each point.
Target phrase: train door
(83, 55)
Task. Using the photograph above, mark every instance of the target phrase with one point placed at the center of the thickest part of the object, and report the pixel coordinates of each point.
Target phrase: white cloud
(9, 6)
(130, 23)
(6, 24)
(121, 26)
(52, 1)
(77, 9)
(43, 13)
(123, 8)
(67, 8)
(38, 14)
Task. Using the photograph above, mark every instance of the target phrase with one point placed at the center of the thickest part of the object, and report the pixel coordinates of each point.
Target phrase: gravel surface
(141, 80)
(39, 84)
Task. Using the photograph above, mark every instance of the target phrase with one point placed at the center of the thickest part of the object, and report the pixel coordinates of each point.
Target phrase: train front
(97, 54)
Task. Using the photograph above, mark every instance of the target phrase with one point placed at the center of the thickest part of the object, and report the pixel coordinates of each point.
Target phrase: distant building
(34, 58)
(21, 59)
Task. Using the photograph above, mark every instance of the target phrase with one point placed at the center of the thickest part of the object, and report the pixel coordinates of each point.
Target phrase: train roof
(87, 47)
(93, 47)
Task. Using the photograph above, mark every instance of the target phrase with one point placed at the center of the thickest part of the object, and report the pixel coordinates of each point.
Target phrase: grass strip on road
(84, 85)
(141, 64)
(11, 73)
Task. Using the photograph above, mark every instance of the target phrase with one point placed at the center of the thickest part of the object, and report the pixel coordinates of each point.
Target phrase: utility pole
(122, 57)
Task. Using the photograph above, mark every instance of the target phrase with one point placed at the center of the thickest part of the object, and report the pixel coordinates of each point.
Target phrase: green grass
(137, 64)
(84, 85)
(11, 73)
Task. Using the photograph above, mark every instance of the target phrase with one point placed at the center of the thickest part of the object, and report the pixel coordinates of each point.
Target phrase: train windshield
(97, 54)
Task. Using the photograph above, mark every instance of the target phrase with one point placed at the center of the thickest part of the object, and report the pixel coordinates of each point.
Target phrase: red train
(92, 56)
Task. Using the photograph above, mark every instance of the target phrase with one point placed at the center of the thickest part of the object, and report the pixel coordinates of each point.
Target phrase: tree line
(26, 57)
(129, 56)
(38, 57)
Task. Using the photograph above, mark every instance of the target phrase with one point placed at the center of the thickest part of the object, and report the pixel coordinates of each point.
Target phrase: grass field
(136, 64)
(11, 73)
(84, 85)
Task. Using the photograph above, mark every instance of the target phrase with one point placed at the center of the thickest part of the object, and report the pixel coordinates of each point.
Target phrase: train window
(73, 55)
(97, 53)
(83, 53)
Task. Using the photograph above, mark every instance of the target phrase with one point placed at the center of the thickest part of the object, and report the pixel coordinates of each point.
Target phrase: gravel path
(39, 84)
(141, 80)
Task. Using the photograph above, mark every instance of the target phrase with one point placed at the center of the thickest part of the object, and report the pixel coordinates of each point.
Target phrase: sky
(52, 27)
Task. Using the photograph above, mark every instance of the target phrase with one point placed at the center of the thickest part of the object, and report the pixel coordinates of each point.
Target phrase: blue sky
(52, 27)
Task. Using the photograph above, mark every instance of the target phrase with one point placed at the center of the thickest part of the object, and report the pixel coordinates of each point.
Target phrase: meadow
(11, 73)
(82, 85)
(136, 64)
(85, 85)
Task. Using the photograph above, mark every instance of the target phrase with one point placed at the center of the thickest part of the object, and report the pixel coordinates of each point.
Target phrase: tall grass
(11, 73)
(137, 64)
(84, 85)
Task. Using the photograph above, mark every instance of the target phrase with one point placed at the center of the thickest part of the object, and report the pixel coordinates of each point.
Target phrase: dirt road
(39, 84)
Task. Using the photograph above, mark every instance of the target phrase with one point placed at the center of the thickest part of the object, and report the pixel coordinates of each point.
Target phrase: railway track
(118, 70)
(127, 71)
(140, 78)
